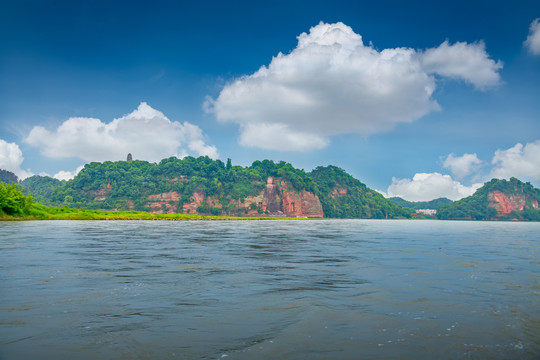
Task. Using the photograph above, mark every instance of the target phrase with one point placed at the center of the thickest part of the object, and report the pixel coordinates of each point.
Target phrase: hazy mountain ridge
(416, 205)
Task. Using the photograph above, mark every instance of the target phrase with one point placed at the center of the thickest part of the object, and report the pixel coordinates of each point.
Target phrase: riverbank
(41, 212)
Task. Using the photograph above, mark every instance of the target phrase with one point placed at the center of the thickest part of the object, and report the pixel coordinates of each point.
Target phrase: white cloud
(519, 161)
(280, 136)
(332, 83)
(462, 166)
(425, 187)
(383, 193)
(146, 133)
(67, 175)
(469, 62)
(11, 159)
(533, 39)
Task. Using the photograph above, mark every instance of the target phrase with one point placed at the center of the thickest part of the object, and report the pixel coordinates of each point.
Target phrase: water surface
(355, 289)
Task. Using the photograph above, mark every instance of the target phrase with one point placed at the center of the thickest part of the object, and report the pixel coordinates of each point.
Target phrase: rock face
(164, 203)
(277, 199)
(505, 204)
(302, 204)
(337, 192)
(101, 194)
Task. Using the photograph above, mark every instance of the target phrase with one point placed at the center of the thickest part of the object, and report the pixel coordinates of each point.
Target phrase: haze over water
(355, 289)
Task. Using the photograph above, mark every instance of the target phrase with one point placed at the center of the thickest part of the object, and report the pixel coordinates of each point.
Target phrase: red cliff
(505, 204)
(301, 204)
(277, 199)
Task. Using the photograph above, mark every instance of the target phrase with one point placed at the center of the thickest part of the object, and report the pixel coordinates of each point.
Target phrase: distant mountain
(205, 186)
(496, 200)
(7, 177)
(416, 205)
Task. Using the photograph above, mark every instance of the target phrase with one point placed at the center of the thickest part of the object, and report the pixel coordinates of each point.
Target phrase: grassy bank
(41, 212)
(14, 205)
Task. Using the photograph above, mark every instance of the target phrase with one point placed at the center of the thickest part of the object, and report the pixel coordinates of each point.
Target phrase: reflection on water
(269, 289)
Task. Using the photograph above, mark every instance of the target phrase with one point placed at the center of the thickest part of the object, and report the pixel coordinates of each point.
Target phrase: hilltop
(417, 205)
(204, 186)
(496, 200)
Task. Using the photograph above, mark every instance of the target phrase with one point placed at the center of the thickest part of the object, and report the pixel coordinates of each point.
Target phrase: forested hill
(205, 186)
(343, 196)
(496, 200)
(416, 205)
(7, 177)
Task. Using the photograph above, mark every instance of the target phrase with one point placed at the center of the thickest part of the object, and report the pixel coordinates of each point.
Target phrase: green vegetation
(416, 205)
(124, 185)
(478, 206)
(343, 196)
(12, 201)
(127, 185)
(14, 205)
(7, 177)
(42, 188)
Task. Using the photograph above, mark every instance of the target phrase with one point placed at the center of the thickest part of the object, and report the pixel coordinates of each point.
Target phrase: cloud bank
(67, 175)
(533, 39)
(429, 186)
(146, 133)
(469, 62)
(462, 166)
(11, 159)
(332, 83)
(521, 161)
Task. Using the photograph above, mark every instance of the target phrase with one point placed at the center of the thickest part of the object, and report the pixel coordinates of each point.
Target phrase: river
(317, 289)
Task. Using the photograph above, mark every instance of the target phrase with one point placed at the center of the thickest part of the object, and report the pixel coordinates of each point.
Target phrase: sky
(418, 99)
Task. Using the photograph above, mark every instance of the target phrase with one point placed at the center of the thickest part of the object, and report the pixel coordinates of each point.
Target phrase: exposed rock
(301, 204)
(164, 203)
(505, 204)
(101, 194)
(166, 196)
(129, 158)
(337, 192)
(274, 200)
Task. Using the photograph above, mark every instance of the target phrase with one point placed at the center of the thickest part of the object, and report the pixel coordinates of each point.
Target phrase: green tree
(13, 201)
(7, 177)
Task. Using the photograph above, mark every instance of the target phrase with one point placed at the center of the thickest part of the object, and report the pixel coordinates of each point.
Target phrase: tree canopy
(477, 206)
(416, 205)
(343, 196)
(123, 185)
(13, 201)
(7, 177)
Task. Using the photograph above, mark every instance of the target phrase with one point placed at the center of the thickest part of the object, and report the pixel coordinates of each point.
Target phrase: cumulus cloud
(11, 159)
(146, 133)
(533, 39)
(521, 161)
(67, 175)
(469, 62)
(462, 166)
(332, 83)
(429, 186)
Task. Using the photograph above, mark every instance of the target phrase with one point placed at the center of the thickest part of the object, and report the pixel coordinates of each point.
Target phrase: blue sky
(419, 99)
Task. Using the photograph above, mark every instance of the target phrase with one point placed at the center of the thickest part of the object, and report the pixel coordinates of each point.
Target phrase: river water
(318, 289)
